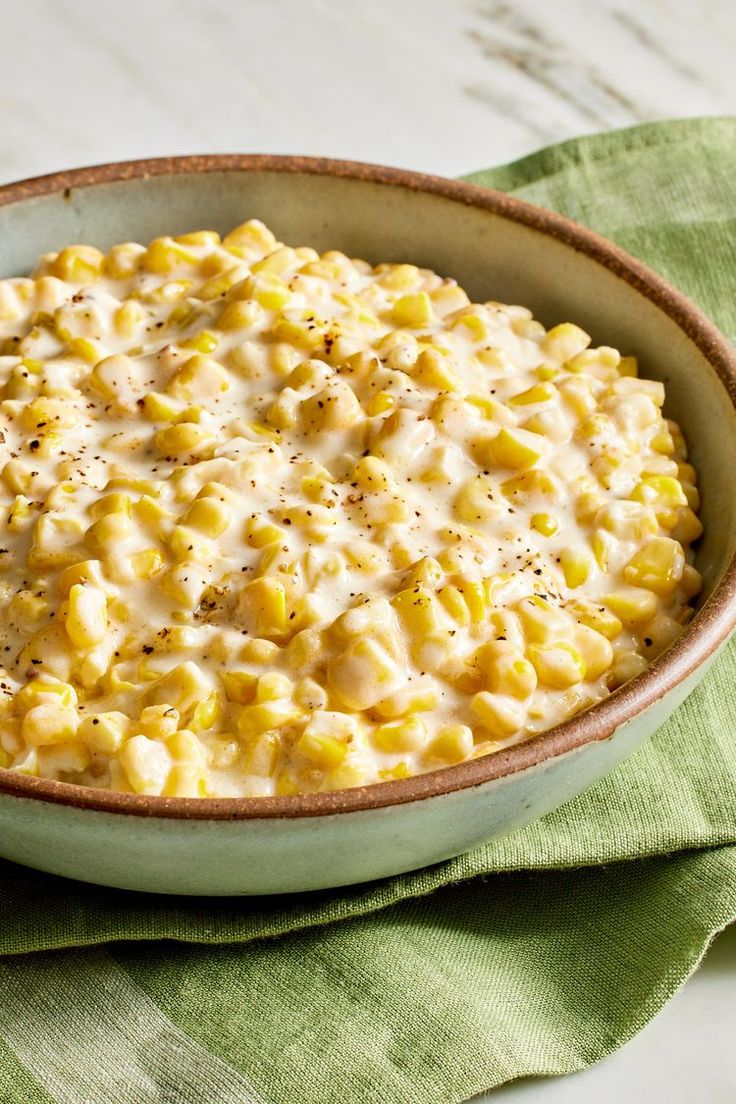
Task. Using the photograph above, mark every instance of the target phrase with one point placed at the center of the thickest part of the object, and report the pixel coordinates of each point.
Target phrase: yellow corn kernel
(432, 370)
(279, 260)
(187, 546)
(425, 572)
(71, 757)
(587, 506)
(261, 755)
(413, 310)
(659, 491)
(513, 448)
(160, 408)
(657, 566)
(565, 341)
(391, 774)
(267, 716)
(653, 389)
(78, 264)
(109, 531)
(335, 407)
(632, 607)
(17, 477)
(575, 565)
(380, 403)
(417, 609)
(147, 563)
(128, 318)
(326, 751)
(158, 722)
(203, 342)
(539, 393)
(164, 255)
(687, 527)
(259, 532)
(46, 690)
(505, 670)
(20, 513)
(183, 439)
(452, 744)
(596, 617)
(86, 616)
(264, 602)
(113, 503)
(146, 764)
(104, 732)
(363, 674)
(48, 723)
(401, 735)
(208, 516)
(691, 582)
(183, 686)
(477, 500)
(372, 474)
(628, 366)
(452, 599)
(310, 695)
(239, 686)
(153, 515)
(199, 377)
(532, 482)
(253, 236)
(496, 714)
(399, 277)
(558, 664)
(545, 524)
(186, 779)
(595, 649)
(418, 697)
(207, 713)
(543, 622)
(272, 686)
(123, 260)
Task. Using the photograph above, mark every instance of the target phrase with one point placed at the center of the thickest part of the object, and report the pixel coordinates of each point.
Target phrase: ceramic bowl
(499, 248)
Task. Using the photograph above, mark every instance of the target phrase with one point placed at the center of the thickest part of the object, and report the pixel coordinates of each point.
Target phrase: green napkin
(436, 985)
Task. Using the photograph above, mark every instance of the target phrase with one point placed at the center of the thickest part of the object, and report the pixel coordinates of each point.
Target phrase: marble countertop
(445, 86)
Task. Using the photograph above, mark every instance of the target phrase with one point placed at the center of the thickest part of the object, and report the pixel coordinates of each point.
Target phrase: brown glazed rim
(709, 628)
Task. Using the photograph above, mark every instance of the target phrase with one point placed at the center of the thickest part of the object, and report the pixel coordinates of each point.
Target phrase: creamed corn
(274, 522)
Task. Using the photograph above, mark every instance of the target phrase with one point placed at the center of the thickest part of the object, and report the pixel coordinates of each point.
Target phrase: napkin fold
(536, 954)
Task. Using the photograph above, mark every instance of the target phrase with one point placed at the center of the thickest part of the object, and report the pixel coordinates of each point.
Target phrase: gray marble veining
(442, 85)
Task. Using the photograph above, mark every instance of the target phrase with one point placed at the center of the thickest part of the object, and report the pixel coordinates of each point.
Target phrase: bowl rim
(711, 626)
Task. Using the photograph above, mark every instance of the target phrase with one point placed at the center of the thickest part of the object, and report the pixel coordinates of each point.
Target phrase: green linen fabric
(537, 954)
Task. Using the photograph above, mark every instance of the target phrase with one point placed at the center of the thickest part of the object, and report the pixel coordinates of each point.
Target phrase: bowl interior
(492, 255)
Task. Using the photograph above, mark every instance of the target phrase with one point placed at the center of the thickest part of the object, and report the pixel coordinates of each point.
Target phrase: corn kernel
(557, 664)
(496, 714)
(545, 524)
(363, 674)
(86, 617)
(452, 744)
(414, 310)
(514, 448)
(505, 670)
(401, 735)
(146, 764)
(657, 566)
(576, 567)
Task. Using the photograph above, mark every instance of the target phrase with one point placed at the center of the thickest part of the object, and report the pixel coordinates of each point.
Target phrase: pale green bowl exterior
(509, 253)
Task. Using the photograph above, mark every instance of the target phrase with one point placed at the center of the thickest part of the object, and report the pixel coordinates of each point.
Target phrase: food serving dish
(497, 248)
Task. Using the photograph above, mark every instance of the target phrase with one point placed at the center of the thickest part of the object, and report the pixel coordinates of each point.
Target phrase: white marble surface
(441, 85)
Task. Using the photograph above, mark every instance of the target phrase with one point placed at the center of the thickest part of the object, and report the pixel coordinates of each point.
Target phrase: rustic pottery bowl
(497, 248)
